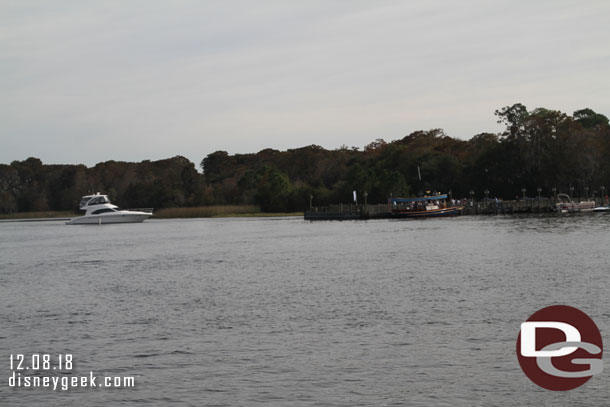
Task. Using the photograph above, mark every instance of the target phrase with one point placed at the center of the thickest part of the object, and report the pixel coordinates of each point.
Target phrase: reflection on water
(287, 312)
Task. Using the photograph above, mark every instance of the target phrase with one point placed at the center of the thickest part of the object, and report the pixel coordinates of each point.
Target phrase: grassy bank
(217, 211)
(261, 215)
(33, 215)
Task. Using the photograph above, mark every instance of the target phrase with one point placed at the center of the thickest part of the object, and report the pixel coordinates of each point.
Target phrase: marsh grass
(207, 211)
(261, 215)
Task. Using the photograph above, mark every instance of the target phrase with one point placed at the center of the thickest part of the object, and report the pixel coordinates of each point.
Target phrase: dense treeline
(32, 186)
(539, 148)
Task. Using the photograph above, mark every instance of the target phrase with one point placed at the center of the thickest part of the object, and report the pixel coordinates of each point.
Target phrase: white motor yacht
(99, 210)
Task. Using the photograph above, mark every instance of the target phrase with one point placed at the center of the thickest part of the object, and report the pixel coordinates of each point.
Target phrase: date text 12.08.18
(41, 361)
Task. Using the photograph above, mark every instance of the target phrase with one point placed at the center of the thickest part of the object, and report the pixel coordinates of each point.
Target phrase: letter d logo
(528, 338)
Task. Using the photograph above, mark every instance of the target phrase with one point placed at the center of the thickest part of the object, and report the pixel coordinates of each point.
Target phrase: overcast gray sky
(89, 81)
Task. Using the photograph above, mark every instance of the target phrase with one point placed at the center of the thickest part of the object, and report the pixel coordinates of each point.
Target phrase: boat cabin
(422, 207)
(419, 204)
(90, 200)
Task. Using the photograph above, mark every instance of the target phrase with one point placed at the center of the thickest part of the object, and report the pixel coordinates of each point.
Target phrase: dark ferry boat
(423, 207)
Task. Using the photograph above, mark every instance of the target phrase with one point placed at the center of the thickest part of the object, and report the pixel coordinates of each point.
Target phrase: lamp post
(554, 193)
(571, 192)
(310, 202)
(587, 193)
(365, 195)
(523, 190)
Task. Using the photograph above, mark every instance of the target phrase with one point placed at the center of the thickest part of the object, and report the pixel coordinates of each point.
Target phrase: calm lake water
(284, 312)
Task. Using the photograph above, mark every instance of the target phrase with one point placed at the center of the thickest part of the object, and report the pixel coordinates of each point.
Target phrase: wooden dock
(491, 207)
(470, 207)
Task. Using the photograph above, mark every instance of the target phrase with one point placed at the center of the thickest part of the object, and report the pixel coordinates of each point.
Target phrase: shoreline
(38, 215)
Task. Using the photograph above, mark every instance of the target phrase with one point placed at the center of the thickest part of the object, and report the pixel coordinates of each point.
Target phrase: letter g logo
(559, 348)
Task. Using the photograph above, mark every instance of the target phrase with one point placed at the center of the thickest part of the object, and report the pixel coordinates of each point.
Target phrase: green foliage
(538, 148)
(273, 189)
(32, 186)
(589, 119)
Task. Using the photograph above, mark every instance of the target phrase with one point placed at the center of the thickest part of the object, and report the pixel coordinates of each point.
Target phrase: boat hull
(104, 219)
(434, 213)
(602, 209)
